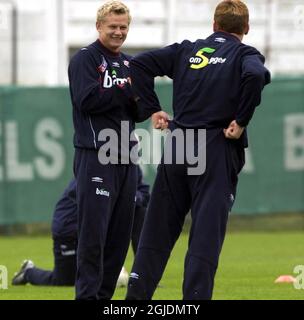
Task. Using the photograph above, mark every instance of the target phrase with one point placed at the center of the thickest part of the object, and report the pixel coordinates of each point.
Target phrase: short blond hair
(116, 7)
(232, 16)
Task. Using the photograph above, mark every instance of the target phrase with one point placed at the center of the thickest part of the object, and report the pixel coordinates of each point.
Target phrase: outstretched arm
(144, 68)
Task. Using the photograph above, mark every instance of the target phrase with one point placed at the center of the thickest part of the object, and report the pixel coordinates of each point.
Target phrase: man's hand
(234, 131)
(160, 120)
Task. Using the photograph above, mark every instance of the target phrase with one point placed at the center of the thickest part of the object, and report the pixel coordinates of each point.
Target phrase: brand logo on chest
(112, 80)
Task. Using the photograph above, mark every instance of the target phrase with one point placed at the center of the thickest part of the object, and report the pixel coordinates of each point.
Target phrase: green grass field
(250, 262)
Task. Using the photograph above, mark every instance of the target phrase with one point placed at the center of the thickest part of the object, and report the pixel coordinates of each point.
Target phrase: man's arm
(254, 77)
(144, 68)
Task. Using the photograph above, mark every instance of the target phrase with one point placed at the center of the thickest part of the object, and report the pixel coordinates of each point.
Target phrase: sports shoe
(19, 276)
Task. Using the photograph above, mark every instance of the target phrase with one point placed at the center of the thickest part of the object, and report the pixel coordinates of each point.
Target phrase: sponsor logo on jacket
(200, 61)
(221, 40)
(111, 80)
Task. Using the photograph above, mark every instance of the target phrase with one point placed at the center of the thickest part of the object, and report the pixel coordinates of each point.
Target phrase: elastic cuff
(242, 123)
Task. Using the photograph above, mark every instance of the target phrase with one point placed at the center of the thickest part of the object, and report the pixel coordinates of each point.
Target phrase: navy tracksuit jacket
(215, 81)
(64, 232)
(102, 100)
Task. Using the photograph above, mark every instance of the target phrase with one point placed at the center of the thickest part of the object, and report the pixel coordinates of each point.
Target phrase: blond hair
(115, 7)
(232, 16)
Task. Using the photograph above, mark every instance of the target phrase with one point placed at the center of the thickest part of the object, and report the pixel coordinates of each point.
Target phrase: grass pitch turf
(249, 264)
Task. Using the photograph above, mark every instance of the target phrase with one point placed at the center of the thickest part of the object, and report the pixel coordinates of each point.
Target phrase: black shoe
(19, 278)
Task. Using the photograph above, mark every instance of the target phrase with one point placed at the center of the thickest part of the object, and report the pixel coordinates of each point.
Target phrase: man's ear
(215, 26)
(247, 29)
(97, 26)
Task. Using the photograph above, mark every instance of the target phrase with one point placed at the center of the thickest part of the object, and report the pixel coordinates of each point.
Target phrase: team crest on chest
(103, 66)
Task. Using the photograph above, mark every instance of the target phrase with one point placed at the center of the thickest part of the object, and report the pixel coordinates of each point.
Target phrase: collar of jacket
(225, 35)
(97, 44)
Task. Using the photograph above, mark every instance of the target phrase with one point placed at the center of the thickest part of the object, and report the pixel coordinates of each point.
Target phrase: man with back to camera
(217, 83)
(105, 195)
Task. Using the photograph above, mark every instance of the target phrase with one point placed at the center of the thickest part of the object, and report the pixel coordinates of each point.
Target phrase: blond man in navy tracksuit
(105, 195)
(217, 84)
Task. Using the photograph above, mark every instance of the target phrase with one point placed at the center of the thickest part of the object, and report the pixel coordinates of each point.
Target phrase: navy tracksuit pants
(138, 221)
(65, 261)
(64, 266)
(209, 197)
(105, 197)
